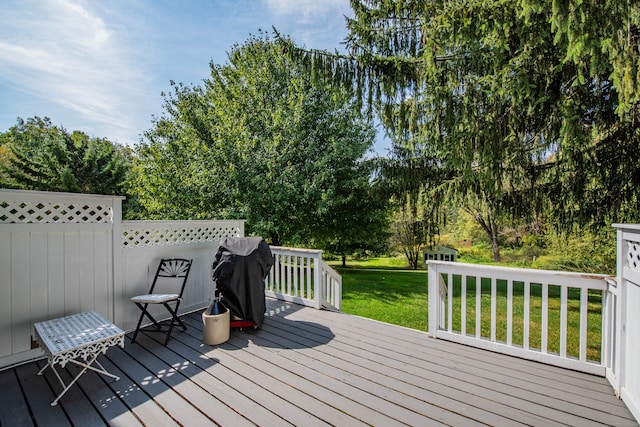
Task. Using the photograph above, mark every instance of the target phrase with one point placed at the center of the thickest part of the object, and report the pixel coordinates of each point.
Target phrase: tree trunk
(491, 228)
(412, 258)
(494, 245)
(344, 261)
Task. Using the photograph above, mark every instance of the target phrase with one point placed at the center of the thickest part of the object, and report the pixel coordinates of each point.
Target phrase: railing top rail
(147, 223)
(330, 271)
(588, 280)
(296, 250)
(627, 226)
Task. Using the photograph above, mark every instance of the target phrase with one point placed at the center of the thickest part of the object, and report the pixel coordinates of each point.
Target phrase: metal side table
(79, 339)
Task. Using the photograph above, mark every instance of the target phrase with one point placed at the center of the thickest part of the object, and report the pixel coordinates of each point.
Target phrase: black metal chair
(166, 289)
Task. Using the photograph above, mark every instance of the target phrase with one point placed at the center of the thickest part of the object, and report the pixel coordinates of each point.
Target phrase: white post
(317, 281)
(619, 334)
(116, 310)
(434, 299)
(628, 317)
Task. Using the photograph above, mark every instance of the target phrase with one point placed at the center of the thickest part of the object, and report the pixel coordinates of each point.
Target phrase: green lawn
(399, 296)
(392, 296)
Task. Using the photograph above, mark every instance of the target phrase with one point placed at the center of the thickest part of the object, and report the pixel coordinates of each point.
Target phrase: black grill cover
(239, 269)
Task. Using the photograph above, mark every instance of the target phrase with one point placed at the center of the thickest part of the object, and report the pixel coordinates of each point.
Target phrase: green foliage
(529, 106)
(36, 155)
(411, 228)
(261, 140)
(591, 252)
(585, 252)
(462, 228)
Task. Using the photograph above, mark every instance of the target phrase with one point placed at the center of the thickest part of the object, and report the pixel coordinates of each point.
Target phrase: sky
(101, 66)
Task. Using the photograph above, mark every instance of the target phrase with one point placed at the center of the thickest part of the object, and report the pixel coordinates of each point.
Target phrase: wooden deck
(307, 367)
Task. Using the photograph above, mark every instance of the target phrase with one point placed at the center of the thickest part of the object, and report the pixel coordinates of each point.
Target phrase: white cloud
(308, 9)
(63, 53)
(99, 66)
(314, 23)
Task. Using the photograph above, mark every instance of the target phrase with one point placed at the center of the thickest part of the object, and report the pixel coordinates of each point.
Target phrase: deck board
(464, 372)
(313, 368)
(14, 408)
(106, 402)
(217, 382)
(79, 409)
(39, 396)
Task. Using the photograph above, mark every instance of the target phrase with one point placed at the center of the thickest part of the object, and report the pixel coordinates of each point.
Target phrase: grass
(379, 289)
(397, 262)
(393, 296)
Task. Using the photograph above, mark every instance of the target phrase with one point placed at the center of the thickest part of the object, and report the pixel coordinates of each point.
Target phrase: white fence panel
(56, 258)
(63, 253)
(145, 243)
(626, 369)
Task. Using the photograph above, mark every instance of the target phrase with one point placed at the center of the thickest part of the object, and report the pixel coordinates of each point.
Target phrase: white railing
(301, 276)
(476, 305)
(331, 295)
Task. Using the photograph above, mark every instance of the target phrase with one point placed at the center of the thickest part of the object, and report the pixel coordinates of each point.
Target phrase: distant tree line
(37, 155)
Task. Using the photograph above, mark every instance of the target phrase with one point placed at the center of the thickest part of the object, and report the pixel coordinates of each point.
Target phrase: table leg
(54, 371)
(102, 370)
(86, 366)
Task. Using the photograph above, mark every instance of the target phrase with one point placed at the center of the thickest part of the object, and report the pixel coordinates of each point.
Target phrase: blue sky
(100, 66)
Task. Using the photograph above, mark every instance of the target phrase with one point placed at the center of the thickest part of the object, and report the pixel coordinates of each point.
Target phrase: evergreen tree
(527, 105)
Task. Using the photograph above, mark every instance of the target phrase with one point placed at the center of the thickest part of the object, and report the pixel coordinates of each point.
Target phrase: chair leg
(143, 308)
(135, 333)
(174, 319)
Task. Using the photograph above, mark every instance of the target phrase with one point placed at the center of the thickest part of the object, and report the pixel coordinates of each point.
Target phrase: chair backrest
(171, 276)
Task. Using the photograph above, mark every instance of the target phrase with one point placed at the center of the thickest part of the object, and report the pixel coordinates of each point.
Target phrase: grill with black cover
(239, 269)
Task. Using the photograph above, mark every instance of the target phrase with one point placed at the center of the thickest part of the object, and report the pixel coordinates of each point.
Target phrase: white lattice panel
(178, 235)
(45, 212)
(633, 255)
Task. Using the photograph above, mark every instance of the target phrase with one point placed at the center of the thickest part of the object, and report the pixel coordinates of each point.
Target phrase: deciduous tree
(261, 140)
